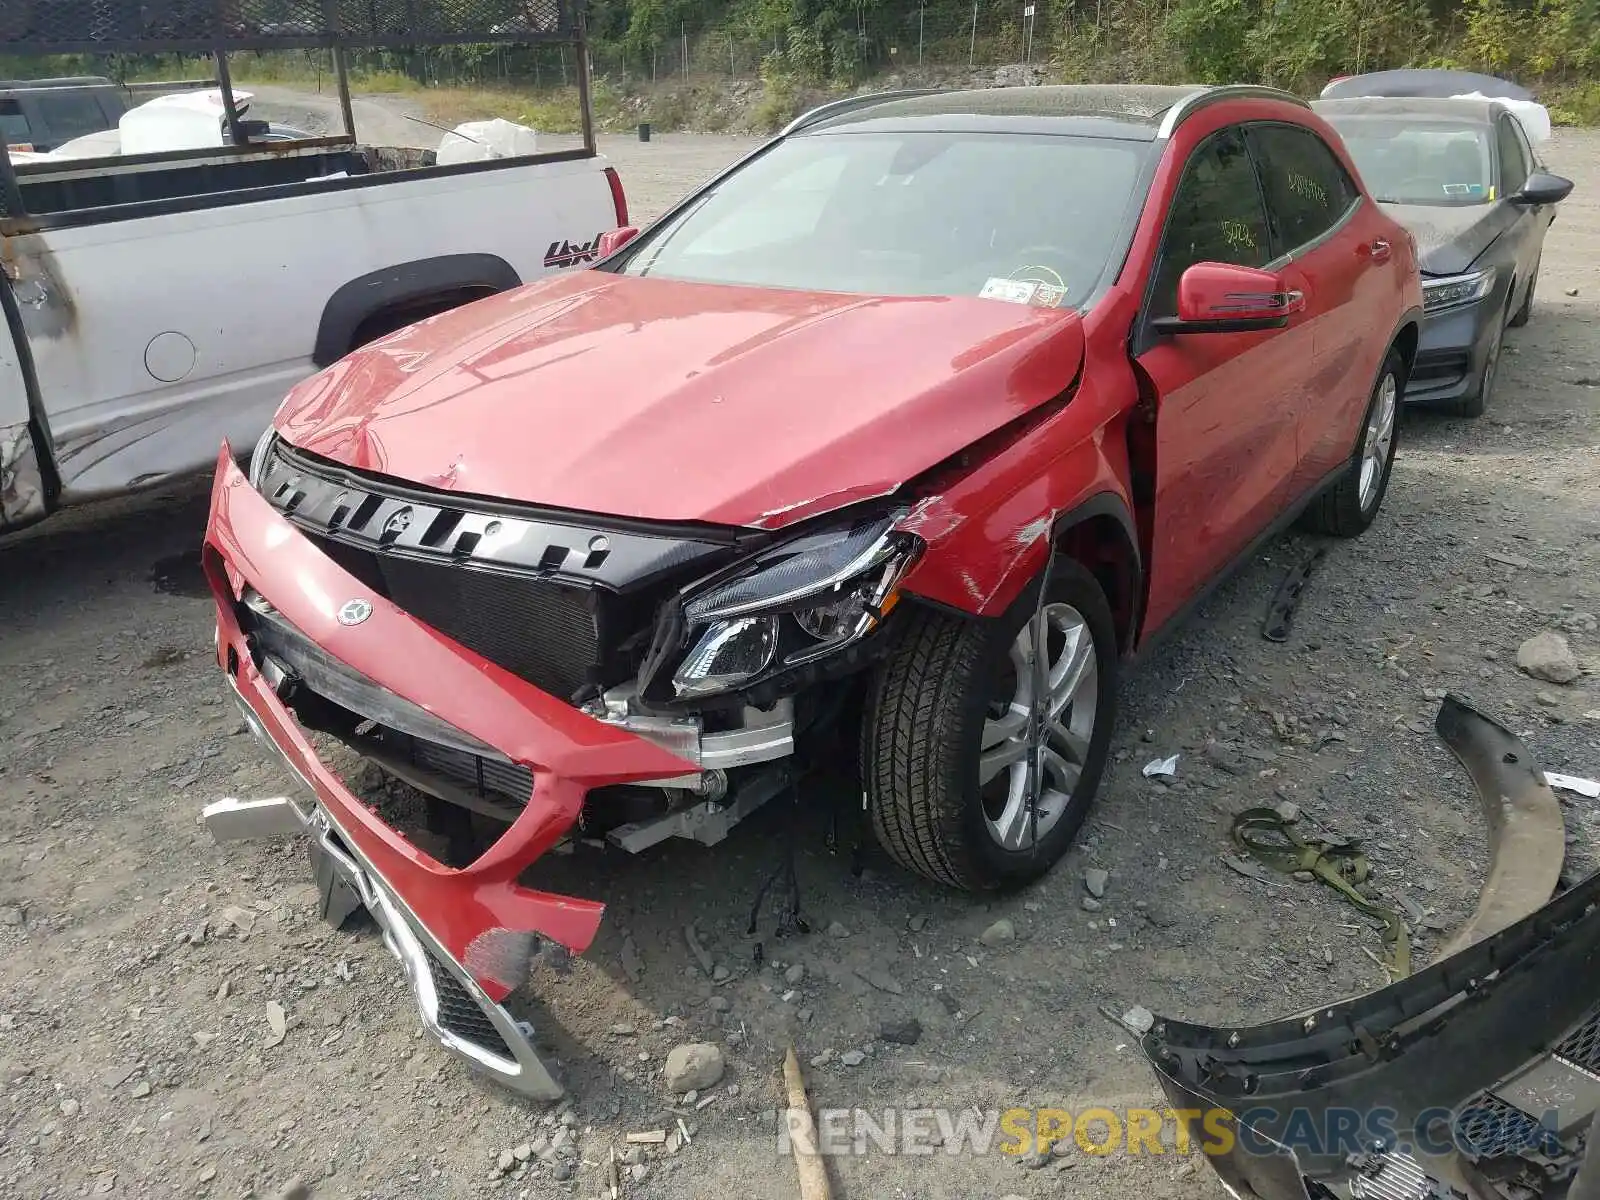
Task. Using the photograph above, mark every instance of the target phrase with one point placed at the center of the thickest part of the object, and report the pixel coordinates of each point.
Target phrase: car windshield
(1405, 161)
(910, 213)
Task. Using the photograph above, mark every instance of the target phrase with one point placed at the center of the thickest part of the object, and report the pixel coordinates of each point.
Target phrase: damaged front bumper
(464, 936)
(1477, 1077)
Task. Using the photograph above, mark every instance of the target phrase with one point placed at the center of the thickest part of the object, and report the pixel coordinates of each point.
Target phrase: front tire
(945, 742)
(1348, 507)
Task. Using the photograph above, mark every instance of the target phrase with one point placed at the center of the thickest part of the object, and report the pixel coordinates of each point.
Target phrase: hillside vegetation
(754, 63)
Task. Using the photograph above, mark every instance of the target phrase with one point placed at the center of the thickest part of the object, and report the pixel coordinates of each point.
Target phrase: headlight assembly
(787, 606)
(260, 456)
(1456, 291)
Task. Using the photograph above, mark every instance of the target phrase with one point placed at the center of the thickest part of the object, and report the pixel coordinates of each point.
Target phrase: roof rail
(1195, 101)
(849, 103)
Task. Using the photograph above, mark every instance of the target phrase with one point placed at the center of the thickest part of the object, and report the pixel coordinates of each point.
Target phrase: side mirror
(1222, 298)
(1542, 189)
(615, 239)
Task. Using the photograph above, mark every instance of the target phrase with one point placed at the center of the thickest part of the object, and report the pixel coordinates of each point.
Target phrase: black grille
(546, 632)
(563, 603)
(460, 1014)
(1489, 1128)
(1582, 1045)
(510, 780)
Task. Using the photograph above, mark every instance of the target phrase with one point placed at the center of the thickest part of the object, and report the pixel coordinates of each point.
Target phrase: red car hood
(675, 401)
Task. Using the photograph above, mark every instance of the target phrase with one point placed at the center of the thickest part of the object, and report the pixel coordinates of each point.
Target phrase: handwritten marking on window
(1307, 188)
(1238, 235)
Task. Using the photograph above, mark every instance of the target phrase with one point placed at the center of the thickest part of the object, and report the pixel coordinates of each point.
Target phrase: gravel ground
(175, 1020)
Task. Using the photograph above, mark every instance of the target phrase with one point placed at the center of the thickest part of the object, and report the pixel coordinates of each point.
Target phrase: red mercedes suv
(910, 427)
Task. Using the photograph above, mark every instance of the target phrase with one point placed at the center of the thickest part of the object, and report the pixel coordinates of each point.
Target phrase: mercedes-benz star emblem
(353, 612)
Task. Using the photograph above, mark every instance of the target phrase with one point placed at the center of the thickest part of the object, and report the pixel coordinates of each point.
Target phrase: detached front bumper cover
(463, 935)
(1483, 1068)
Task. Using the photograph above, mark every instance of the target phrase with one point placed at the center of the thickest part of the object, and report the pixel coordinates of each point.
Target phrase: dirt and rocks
(174, 1019)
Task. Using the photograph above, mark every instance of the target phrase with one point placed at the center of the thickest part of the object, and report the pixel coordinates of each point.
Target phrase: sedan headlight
(782, 608)
(260, 456)
(1456, 291)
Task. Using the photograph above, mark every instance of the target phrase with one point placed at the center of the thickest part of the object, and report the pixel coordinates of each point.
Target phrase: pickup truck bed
(157, 305)
(91, 189)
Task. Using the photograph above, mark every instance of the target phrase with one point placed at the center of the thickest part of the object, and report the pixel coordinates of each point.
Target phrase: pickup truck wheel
(946, 738)
(1348, 507)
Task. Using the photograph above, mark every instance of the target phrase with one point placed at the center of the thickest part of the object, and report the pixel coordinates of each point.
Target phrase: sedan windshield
(1405, 161)
(910, 213)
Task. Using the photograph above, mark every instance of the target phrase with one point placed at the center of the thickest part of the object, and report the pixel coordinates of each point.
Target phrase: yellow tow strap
(1265, 836)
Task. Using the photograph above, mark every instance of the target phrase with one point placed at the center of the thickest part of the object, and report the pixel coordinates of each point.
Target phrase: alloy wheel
(1378, 440)
(1058, 750)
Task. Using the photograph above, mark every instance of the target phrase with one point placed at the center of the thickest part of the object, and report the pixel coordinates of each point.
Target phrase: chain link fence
(988, 33)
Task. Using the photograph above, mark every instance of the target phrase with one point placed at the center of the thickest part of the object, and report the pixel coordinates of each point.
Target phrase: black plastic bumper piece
(1487, 1056)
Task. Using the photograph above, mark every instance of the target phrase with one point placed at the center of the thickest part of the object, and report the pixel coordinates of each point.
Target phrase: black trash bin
(644, 131)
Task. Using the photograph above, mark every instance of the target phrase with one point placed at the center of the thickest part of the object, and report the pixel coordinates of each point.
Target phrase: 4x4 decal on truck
(565, 254)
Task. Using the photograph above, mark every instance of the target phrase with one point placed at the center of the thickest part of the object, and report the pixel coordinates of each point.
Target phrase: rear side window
(1308, 191)
(1216, 216)
(14, 124)
(1513, 162)
(71, 113)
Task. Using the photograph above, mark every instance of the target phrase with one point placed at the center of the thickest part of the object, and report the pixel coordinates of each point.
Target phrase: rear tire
(942, 709)
(1349, 506)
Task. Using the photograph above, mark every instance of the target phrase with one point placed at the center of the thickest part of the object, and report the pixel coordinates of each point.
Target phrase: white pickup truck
(156, 304)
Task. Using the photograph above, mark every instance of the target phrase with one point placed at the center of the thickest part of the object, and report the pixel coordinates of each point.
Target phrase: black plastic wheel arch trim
(1432, 1041)
(400, 285)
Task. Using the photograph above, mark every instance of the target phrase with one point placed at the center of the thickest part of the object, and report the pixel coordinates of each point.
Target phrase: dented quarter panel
(156, 338)
(22, 491)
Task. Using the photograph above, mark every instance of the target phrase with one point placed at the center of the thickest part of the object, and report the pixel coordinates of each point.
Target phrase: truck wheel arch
(405, 288)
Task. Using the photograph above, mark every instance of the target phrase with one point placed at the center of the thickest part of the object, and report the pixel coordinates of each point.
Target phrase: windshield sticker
(1035, 285)
(1013, 291)
(1463, 189)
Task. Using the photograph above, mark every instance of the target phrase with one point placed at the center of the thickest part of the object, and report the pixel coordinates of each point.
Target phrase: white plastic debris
(1574, 783)
(479, 141)
(1166, 767)
(1139, 1019)
(1534, 117)
(180, 121)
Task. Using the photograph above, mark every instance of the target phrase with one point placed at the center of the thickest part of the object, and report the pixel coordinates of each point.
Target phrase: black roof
(1416, 108)
(1105, 110)
(1418, 81)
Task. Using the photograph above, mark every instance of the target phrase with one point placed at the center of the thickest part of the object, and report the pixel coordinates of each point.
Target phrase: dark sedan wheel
(1348, 507)
(960, 786)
